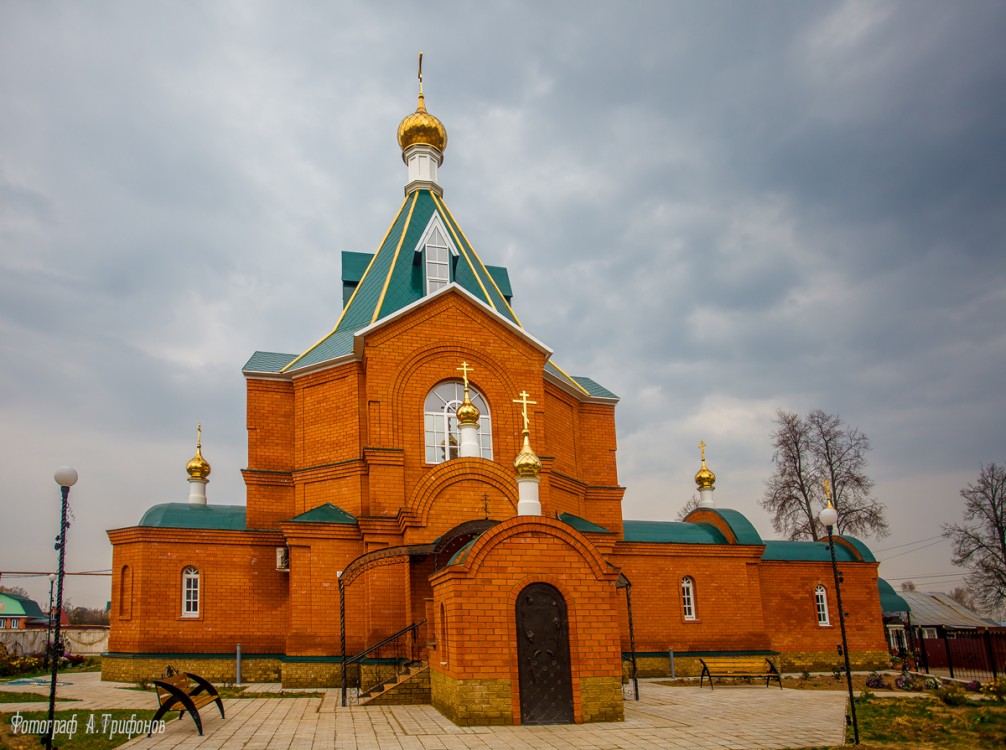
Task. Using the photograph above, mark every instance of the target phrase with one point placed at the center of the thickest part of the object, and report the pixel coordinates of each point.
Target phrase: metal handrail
(404, 655)
(389, 639)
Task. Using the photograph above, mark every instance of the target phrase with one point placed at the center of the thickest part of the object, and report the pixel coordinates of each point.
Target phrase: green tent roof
(806, 551)
(190, 516)
(326, 513)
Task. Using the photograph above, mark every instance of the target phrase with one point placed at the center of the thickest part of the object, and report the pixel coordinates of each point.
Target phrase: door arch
(543, 664)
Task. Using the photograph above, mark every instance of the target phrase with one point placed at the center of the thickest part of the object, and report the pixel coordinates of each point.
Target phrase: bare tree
(16, 590)
(687, 508)
(908, 585)
(980, 542)
(808, 451)
(793, 492)
(840, 455)
(964, 597)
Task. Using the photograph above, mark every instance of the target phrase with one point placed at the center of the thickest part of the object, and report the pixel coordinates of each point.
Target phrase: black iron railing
(963, 654)
(383, 663)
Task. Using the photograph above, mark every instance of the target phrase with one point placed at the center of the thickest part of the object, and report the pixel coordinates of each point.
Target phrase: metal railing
(382, 663)
(962, 654)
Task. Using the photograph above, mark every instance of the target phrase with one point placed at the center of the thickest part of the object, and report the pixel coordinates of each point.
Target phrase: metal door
(546, 687)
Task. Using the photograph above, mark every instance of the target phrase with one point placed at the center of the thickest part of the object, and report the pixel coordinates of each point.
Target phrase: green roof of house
(582, 524)
(15, 605)
(326, 513)
(380, 284)
(191, 516)
(672, 532)
(742, 528)
(890, 600)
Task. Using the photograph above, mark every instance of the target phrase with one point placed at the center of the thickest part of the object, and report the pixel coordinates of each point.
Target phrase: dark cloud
(714, 209)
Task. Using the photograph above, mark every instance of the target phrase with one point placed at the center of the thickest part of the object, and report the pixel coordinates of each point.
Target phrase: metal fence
(962, 654)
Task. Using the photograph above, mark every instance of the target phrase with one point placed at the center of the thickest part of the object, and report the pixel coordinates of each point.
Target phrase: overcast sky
(714, 209)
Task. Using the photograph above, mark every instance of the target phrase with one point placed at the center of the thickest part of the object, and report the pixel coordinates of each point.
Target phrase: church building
(426, 474)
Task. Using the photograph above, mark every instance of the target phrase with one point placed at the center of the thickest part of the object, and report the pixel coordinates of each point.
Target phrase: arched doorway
(543, 667)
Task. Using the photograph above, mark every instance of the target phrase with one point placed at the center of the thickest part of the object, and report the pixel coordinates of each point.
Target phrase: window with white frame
(15, 623)
(438, 261)
(821, 601)
(688, 598)
(3, 623)
(443, 438)
(190, 592)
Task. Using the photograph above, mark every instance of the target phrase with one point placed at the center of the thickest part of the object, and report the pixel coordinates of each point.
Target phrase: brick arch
(418, 359)
(540, 525)
(456, 470)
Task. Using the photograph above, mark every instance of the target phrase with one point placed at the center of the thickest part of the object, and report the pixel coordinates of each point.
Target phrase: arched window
(442, 436)
(125, 592)
(688, 598)
(821, 601)
(438, 261)
(190, 592)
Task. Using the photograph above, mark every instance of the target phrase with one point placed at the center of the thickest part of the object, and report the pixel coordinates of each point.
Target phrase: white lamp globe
(828, 516)
(65, 476)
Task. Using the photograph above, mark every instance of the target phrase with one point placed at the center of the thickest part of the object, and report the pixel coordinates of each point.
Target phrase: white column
(469, 447)
(527, 497)
(706, 498)
(197, 491)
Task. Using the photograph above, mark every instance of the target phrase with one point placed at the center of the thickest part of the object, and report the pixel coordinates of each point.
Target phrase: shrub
(907, 681)
(973, 687)
(877, 681)
(995, 689)
(953, 696)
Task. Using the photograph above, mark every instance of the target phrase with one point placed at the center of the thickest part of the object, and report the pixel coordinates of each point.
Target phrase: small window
(443, 438)
(821, 601)
(688, 598)
(438, 262)
(928, 633)
(3, 623)
(190, 592)
(15, 623)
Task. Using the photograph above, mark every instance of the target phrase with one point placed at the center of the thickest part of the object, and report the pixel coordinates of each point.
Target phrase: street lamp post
(48, 630)
(65, 477)
(828, 517)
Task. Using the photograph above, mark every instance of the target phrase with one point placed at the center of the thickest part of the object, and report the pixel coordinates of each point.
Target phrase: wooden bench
(185, 692)
(738, 666)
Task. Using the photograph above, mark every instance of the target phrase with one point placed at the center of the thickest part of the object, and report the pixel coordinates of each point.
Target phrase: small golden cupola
(423, 139)
(198, 469)
(705, 480)
(468, 421)
(528, 467)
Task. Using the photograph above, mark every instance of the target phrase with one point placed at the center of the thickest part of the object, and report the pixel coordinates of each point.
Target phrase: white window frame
(437, 250)
(821, 605)
(930, 633)
(191, 594)
(14, 623)
(440, 422)
(3, 623)
(688, 598)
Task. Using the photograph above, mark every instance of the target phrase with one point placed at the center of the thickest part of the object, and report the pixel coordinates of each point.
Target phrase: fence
(962, 654)
(77, 640)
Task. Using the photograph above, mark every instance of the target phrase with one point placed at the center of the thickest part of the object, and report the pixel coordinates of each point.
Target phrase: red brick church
(427, 463)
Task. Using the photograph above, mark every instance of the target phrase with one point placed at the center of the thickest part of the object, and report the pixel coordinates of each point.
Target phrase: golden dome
(704, 478)
(422, 127)
(527, 464)
(198, 467)
(468, 413)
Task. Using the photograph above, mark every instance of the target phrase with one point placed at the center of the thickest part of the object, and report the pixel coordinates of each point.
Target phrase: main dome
(422, 128)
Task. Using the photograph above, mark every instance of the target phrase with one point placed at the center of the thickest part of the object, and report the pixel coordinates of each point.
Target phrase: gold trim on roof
(352, 297)
(464, 251)
(492, 281)
(394, 258)
(569, 378)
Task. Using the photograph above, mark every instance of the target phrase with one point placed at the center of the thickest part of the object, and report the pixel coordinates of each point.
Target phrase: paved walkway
(745, 718)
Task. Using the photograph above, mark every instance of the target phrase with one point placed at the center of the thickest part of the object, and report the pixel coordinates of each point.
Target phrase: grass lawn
(10, 696)
(95, 730)
(896, 723)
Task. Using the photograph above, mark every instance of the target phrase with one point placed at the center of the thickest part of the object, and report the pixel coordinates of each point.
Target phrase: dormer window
(437, 254)
(438, 262)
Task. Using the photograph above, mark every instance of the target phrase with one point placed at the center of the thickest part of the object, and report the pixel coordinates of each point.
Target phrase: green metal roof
(190, 516)
(672, 532)
(326, 513)
(738, 523)
(806, 551)
(380, 284)
(582, 524)
(890, 601)
(15, 605)
(862, 549)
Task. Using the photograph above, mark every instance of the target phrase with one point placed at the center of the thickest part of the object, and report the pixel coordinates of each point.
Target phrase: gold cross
(827, 490)
(524, 401)
(465, 369)
(702, 447)
(199, 435)
(420, 72)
